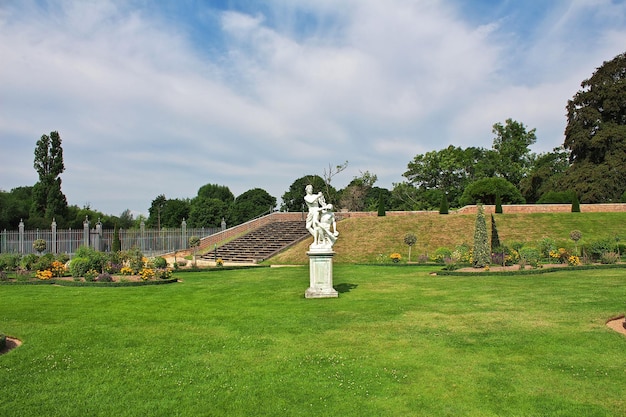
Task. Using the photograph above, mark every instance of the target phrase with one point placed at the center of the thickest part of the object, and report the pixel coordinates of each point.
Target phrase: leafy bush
(599, 247)
(79, 266)
(135, 259)
(163, 273)
(97, 260)
(91, 275)
(44, 262)
(9, 261)
(28, 261)
(545, 246)
(441, 254)
(529, 256)
(159, 262)
(62, 257)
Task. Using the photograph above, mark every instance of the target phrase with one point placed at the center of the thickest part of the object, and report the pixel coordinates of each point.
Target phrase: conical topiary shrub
(482, 253)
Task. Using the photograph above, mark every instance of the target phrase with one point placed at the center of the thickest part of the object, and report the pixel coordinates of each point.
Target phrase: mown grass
(367, 240)
(397, 341)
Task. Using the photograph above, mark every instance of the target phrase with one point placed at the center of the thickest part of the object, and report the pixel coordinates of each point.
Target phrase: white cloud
(145, 109)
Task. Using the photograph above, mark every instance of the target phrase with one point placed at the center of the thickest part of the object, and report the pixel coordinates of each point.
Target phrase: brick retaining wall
(218, 238)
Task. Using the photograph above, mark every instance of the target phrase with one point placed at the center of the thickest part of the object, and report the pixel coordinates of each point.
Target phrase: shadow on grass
(344, 287)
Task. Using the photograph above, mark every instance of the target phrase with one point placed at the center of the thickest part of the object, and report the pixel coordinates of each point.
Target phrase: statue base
(321, 274)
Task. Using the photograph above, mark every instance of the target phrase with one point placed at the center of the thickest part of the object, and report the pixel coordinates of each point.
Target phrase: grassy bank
(397, 341)
(364, 240)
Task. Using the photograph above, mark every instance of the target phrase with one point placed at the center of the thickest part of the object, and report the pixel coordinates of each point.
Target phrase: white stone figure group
(320, 220)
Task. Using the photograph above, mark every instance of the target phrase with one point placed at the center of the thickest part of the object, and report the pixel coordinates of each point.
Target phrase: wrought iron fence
(150, 241)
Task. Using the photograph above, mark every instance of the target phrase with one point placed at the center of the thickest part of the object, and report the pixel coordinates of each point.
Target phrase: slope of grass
(364, 240)
(397, 341)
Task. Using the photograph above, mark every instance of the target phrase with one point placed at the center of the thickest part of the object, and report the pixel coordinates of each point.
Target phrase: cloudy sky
(161, 97)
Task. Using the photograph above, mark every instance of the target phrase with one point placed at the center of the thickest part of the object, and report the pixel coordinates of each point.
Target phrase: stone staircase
(261, 243)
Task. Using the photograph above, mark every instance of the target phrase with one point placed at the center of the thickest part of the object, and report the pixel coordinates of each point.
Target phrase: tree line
(589, 167)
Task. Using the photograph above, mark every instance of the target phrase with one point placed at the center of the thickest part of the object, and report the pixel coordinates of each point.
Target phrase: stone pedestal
(321, 274)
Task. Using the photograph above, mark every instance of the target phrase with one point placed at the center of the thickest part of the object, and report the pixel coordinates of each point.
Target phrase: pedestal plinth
(321, 274)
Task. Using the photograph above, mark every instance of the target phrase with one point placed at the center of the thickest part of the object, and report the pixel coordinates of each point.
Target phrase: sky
(158, 97)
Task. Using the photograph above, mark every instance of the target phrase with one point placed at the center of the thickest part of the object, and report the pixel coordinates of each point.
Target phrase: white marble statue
(320, 220)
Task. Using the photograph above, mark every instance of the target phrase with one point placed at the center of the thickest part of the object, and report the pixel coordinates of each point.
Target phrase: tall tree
(354, 196)
(447, 171)
(512, 146)
(293, 199)
(544, 176)
(251, 204)
(155, 211)
(48, 199)
(220, 192)
(596, 135)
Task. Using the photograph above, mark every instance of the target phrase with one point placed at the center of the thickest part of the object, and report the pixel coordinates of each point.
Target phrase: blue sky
(161, 97)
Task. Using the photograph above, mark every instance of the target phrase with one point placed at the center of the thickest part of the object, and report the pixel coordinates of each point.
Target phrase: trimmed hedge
(535, 271)
(65, 283)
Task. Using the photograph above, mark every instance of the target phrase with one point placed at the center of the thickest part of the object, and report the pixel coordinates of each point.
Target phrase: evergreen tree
(381, 205)
(498, 204)
(116, 245)
(575, 204)
(482, 252)
(443, 208)
(495, 239)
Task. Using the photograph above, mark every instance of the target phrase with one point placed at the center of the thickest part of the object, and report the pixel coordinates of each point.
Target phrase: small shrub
(423, 258)
(44, 262)
(104, 277)
(146, 273)
(126, 270)
(561, 255)
(112, 268)
(546, 245)
(573, 260)
(182, 262)
(91, 275)
(163, 273)
(159, 262)
(28, 261)
(529, 256)
(63, 258)
(441, 254)
(3, 276)
(9, 261)
(79, 267)
(599, 247)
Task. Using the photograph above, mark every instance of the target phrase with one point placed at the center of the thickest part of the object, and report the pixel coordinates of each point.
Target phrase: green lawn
(397, 342)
